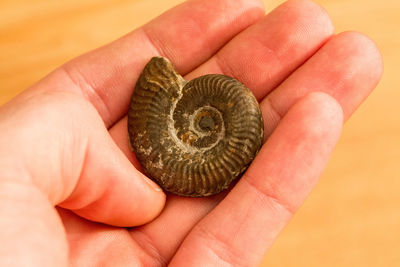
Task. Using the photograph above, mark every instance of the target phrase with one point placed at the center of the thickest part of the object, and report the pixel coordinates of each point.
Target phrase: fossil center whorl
(193, 138)
(198, 127)
(207, 120)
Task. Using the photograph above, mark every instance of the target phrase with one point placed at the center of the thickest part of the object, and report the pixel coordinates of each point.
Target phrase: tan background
(353, 216)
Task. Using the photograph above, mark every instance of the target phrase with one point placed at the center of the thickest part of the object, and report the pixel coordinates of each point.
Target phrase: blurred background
(352, 218)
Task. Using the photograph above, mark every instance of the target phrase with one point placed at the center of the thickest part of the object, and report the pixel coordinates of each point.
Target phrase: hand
(63, 142)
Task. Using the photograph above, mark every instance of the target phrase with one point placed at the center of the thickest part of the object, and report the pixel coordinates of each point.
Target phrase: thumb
(66, 152)
(109, 188)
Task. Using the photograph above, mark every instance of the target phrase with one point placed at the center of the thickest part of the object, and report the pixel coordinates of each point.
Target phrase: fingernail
(152, 184)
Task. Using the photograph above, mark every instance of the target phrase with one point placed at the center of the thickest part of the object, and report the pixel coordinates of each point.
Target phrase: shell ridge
(238, 145)
(209, 177)
(216, 174)
(222, 168)
(204, 180)
(189, 170)
(227, 162)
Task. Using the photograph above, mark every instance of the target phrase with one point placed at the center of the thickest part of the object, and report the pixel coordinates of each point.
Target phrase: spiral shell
(192, 138)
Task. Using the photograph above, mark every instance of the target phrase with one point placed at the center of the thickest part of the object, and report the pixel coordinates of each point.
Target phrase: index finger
(188, 35)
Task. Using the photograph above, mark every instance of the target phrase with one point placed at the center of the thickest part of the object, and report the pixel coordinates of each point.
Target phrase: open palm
(64, 141)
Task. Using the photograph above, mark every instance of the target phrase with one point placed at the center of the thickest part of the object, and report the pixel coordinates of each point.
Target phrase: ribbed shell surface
(192, 138)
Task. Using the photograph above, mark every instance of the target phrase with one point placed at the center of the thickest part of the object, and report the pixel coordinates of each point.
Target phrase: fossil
(193, 138)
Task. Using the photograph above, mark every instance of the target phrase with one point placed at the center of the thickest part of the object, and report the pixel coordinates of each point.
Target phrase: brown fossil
(192, 138)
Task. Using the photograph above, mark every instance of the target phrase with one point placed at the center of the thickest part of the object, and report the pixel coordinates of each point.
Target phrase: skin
(70, 186)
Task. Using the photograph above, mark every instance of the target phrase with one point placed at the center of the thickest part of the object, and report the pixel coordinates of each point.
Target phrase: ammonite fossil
(192, 138)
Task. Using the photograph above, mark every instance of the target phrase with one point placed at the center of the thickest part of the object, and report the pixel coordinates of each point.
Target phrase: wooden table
(353, 216)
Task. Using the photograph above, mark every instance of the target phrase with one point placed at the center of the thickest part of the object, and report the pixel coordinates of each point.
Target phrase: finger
(263, 55)
(242, 227)
(72, 159)
(348, 67)
(188, 35)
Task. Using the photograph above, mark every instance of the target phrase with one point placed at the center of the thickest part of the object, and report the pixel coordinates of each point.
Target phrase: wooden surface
(353, 216)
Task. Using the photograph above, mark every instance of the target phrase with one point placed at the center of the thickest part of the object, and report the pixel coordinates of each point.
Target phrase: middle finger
(266, 53)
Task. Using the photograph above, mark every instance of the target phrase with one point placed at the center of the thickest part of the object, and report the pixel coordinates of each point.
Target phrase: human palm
(64, 141)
